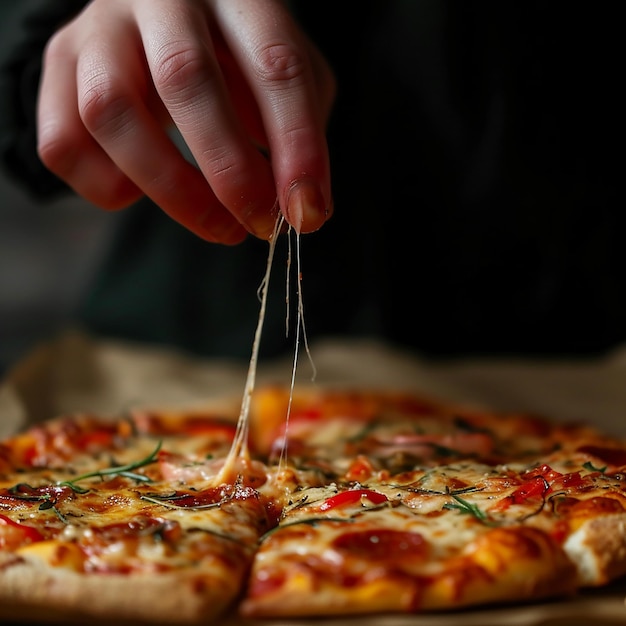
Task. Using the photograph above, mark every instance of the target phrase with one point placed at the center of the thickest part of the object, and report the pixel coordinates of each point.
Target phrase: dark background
(477, 170)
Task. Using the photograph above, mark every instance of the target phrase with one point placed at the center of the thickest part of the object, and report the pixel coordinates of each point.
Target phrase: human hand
(232, 75)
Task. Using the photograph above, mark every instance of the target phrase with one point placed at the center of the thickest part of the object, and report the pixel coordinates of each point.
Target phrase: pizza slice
(487, 508)
(123, 520)
(364, 550)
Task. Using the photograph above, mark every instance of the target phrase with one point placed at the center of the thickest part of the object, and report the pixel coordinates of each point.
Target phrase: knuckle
(178, 69)
(221, 164)
(56, 151)
(103, 106)
(229, 174)
(279, 63)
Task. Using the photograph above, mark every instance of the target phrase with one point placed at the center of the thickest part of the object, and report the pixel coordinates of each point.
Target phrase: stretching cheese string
(300, 327)
(239, 450)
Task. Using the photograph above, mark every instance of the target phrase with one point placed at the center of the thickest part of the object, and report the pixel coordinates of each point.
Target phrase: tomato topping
(590, 508)
(221, 429)
(94, 440)
(206, 497)
(353, 496)
(44, 446)
(556, 480)
(534, 488)
(209, 496)
(360, 469)
(35, 496)
(138, 527)
(539, 482)
(16, 533)
(383, 544)
(544, 471)
(309, 413)
(568, 481)
(610, 456)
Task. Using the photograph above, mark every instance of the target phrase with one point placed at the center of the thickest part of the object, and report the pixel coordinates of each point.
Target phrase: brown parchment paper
(75, 372)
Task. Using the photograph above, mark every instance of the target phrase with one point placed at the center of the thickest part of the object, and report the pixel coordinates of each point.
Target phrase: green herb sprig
(46, 499)
(119, 470)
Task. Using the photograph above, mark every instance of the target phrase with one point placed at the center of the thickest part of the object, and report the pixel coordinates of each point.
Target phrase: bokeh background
(48, 255)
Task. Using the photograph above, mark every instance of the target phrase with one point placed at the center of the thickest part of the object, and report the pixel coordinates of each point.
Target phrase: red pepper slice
(26, 533)
(569, 481)
(611, 456)
(360, 470)
(544, 471)
(353, 496)
(534, 488)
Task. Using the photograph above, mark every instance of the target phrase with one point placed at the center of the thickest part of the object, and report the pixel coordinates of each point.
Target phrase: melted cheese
(239, 450)
(233, 466)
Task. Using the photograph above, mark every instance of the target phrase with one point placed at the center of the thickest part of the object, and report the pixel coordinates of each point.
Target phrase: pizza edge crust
(31, 589)
(598, 549)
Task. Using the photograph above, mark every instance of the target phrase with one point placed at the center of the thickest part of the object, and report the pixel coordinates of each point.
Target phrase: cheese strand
(300, 327)
(239, 449)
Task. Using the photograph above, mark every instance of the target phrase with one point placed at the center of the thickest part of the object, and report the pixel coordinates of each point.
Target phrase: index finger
(187, 76)
(278, 61)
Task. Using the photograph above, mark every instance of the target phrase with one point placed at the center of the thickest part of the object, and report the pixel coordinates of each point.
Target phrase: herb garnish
(589, 466)
(467, 508)
(46, 495)
(118, 470)
(28, 493)
(169, 501)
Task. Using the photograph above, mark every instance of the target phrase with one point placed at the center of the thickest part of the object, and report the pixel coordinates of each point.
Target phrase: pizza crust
(518, 564)
(598, 548)
(31, 590)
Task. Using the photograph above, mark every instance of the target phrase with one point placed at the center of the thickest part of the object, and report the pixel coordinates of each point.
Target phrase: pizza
(327, 502)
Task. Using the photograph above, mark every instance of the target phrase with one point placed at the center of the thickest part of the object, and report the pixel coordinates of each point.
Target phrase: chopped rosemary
(119, 470)
(27, 492)
(45, 498)
(168, 501)
(467, 508)
(589, 466)
(446, 492)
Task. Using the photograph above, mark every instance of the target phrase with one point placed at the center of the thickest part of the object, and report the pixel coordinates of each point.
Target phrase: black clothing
(25, 28)
(475, 186)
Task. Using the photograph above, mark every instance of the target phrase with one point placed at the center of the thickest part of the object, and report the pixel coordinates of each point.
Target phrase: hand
(239, 80)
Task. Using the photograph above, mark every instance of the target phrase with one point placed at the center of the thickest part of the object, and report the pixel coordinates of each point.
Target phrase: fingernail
(306, 208)
(216, 227)
(260, 222)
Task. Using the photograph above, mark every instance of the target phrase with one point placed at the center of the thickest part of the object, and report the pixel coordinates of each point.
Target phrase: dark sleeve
(25, 28)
